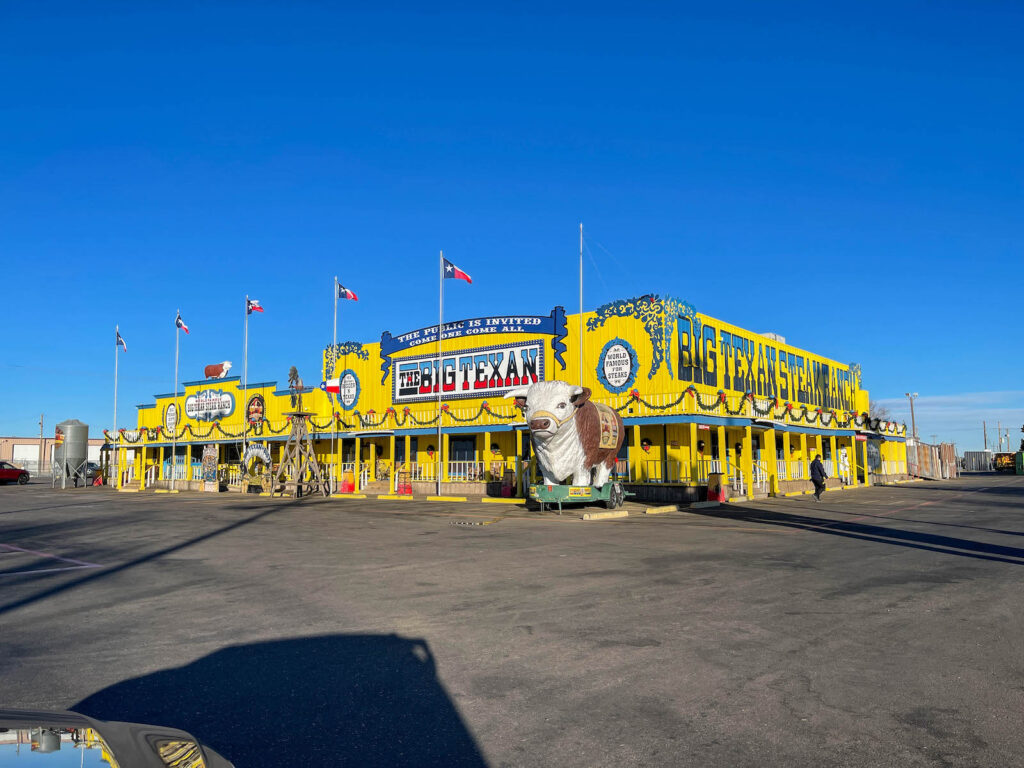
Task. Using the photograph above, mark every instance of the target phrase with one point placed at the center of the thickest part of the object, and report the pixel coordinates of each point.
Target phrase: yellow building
(698, 396)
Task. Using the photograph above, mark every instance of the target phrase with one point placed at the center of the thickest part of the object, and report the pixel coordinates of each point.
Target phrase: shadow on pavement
(881, 534)
(171, 549)
(329, 700)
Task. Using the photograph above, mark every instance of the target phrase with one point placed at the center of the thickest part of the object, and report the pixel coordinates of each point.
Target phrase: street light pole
(913, 422)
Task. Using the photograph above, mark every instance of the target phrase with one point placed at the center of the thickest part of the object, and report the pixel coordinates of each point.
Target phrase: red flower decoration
(750, 396)
(635, 394)
(406, 410)
(337, 415)
(445, 407)
(721, 397)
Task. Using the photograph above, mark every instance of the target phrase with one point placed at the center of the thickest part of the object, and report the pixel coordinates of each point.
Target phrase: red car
(11, 474)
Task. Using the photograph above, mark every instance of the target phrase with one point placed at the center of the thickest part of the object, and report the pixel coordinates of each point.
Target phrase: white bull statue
(572, 436)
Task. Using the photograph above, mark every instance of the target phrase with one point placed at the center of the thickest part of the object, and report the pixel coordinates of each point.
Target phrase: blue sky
(850, 177)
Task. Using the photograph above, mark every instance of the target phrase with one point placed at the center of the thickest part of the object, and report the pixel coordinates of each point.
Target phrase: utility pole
(984, 434)
(39, 466)
(999, 437)
(913, 422)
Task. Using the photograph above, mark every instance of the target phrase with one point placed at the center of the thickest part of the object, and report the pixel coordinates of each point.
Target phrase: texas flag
(179, 323)
(345, 293)
(253, 305)
(120, 341)
(453, 272)
(331, 385)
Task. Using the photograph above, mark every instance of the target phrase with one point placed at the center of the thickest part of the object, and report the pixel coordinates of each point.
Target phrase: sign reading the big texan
(484, 372)
(553, 325)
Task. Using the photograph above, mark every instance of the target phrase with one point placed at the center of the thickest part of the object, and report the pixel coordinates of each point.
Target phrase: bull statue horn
(520, 392)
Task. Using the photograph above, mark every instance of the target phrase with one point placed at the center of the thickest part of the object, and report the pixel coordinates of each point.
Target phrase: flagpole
(117, 464)
(330, 375)
(174, 432)
(245, 377)
(440, 385)
(581, 304)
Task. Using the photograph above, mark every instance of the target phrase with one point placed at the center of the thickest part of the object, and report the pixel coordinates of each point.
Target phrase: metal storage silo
(71, 456)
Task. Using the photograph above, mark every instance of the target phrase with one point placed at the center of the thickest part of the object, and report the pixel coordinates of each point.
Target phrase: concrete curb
(395, 496)
(447, 498)
(662, 510)
(605, 515)
(348, 495)
(705, 504)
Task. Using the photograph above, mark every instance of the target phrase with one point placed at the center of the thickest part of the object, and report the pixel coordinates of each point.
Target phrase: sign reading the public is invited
(209, 405)
(484, 372)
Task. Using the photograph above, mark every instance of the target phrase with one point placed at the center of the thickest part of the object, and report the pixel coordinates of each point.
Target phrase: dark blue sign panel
(553, 325)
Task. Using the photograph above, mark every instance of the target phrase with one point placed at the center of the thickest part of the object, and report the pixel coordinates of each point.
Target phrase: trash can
(717, 490)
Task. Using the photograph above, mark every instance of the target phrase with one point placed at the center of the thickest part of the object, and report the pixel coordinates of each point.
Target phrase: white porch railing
(422, 471)
(232, 475)
(658, 471)
(705, 467)
(349, 468)
(465, 471)
(894, 467)
(829, 467)
(796, 470)
(781, 469)
(760, 475)
(152, 473)
(736, 481)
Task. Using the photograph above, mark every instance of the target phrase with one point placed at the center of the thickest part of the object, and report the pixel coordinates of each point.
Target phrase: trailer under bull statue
(611, 495)
(573, 437)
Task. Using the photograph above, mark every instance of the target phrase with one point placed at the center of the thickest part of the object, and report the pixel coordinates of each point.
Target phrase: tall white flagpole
(581, 304)
(245, 377)
(174, 432)
(439, 377)
(117, 463)
(330, 375)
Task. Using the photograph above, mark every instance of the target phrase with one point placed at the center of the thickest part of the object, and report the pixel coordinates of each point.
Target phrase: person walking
(818, 477)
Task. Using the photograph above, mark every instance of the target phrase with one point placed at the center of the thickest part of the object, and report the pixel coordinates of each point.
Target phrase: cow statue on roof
(218, 370)
(572, 435)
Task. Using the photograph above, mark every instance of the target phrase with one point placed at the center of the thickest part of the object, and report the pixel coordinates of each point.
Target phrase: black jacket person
(818, 477)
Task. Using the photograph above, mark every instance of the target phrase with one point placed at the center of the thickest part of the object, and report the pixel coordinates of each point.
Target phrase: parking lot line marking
(80, 563)
(49, 570)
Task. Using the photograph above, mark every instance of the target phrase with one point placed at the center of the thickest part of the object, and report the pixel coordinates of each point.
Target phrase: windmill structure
(299, 474)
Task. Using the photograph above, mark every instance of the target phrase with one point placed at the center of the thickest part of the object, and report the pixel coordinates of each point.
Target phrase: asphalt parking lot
(880, 627)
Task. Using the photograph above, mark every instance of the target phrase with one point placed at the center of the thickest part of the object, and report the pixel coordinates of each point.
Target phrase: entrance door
(462, 448)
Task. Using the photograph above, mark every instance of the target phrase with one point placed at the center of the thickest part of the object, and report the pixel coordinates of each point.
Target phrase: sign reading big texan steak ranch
(209, 405)
(483, 372)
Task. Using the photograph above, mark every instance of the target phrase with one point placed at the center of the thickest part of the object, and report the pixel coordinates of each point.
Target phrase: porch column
(803, 456)
(394, 464)
(835, 458)
(694, 465)
(356, 488)
(188, 463)
(817, 442)
(851, 456)
(634, 452)
(142, 474)
(521, 480)
(485, 456)
(773, 465)
(867, 470)
(408, 455)
(445, 456)
(723, 448)
(747, 460)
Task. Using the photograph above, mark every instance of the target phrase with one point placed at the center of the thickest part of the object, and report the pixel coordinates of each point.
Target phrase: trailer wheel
(618, 497)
